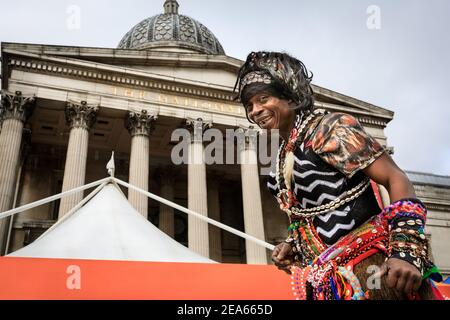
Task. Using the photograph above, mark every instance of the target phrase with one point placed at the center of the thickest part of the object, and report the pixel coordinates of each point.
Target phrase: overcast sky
(394, 54)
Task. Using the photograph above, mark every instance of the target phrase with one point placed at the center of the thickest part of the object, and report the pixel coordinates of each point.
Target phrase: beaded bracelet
(406, 219)
(415, 250)
(405, 207)
(407, 236)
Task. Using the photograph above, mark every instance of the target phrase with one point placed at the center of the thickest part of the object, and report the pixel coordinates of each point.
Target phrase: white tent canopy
(109, 228)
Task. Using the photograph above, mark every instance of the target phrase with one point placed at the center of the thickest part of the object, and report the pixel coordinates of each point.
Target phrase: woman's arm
(400, 274)
(341, 141)
(385, 171)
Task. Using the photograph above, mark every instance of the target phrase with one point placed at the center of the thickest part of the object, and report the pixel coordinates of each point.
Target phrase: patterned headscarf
(282, 69)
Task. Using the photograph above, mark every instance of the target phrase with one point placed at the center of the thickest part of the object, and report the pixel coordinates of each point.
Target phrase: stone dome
(171, 30)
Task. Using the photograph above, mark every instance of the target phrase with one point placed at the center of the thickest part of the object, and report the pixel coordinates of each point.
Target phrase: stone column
(215, 239)
(198, 237)
(14, 111)
(80, 118)
(139, 125)
(166, 213)
(251, 195)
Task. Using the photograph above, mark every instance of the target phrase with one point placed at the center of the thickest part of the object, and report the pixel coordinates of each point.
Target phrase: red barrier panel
(30, 278)
(444, 289)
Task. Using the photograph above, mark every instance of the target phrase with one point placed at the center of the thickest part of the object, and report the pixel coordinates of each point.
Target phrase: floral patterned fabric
(342, 142)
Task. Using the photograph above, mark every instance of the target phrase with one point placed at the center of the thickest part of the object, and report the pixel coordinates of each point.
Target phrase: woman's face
(270, 112)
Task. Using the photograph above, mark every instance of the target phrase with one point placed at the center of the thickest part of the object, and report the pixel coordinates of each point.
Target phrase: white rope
(74, 209)
(52, 198)
(101, 183)
(199, 216)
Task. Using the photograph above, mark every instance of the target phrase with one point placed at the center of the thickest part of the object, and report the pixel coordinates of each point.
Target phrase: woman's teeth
(263, 122)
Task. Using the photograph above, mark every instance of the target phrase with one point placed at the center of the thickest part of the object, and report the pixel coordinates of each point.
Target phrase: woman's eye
(263, 99)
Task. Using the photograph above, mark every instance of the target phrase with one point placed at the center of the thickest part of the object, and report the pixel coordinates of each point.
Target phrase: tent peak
(110, 166)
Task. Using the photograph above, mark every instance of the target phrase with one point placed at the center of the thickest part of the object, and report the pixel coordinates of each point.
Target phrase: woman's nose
(256, 110)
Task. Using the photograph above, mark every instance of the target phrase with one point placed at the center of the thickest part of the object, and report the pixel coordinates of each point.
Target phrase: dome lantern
(172, 31)
(171, 7)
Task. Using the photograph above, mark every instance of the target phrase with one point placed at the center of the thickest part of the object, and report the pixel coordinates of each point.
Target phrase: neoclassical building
(434, 191)
(65, 109)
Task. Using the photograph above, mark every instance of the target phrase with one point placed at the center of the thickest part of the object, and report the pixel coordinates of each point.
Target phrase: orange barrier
(60, 279)
(444, 289)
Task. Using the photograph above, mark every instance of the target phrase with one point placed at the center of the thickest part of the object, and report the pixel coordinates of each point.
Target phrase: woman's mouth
(264, 122)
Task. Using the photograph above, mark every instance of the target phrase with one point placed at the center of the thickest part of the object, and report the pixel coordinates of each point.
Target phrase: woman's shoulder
(332, 123)
(341, 141)
(332, 119)
(325, 124)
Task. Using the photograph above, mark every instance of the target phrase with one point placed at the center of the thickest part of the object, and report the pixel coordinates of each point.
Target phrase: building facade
(64, 109)
(434, 191)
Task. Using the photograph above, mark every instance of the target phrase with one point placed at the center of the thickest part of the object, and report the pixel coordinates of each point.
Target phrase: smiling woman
(323, 181)
(258, 86)
(271, 112)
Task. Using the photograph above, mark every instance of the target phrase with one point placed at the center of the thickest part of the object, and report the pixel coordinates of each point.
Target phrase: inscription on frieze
(180, 101)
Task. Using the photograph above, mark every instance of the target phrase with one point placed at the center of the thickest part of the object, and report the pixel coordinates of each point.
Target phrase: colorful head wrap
(281, 69)
(256, 77)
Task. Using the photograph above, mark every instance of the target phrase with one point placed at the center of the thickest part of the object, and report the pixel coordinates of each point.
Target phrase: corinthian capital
(15, 105)
(197, 128)
(140, 123)
(80, 115)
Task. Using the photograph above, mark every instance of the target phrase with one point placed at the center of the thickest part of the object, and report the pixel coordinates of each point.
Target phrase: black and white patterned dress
(328, 163)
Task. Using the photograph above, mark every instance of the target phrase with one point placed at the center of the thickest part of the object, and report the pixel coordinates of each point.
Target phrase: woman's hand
(283, 256)
(401, 275)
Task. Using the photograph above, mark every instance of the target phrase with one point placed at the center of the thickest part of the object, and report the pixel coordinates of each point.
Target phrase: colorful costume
(335, 219)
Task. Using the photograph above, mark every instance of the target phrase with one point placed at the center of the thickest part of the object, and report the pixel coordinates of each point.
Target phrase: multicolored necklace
(285, 160)
(285, 163)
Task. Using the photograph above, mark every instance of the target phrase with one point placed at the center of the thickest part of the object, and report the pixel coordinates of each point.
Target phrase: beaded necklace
(311, 244)
(285, 196)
